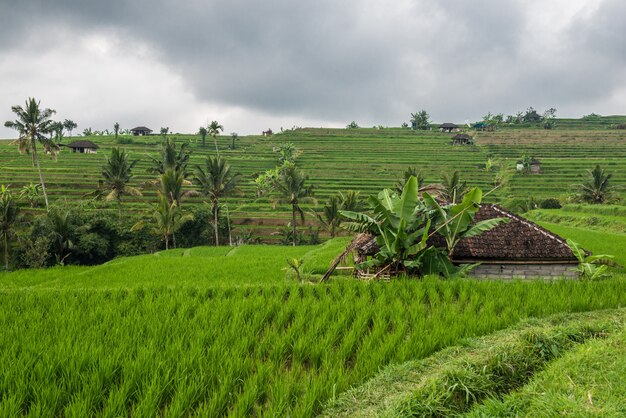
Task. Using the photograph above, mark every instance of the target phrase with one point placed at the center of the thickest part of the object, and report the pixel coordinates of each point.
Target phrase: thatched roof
(448, 125)
(83, 143)
(141, 129)
(519, 240)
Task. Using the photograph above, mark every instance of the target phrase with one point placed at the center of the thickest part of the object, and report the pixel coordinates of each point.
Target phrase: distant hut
(141, 131)
(517, 249)
(448, 127)
(268, 133)
(83, 147)
(462, 139)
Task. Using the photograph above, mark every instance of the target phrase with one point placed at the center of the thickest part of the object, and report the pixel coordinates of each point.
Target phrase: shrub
(550, 203)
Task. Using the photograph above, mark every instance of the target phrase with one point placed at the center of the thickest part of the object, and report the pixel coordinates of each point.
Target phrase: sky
(253, 65)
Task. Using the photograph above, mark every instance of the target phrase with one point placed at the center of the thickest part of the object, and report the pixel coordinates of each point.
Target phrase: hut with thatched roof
(448, 127)
(83, 146)
(516, 249)
(141, 131)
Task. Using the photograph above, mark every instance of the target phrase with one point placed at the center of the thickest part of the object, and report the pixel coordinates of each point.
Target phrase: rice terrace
(312, 209)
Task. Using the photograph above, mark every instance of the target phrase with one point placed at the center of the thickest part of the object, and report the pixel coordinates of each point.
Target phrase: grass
(474, 377)
(589, 380)
(211, 332)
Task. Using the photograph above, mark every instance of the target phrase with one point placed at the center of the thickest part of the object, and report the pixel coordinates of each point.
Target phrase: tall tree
(216, 180)
(291, 184)
(202, 131)
(9, 216)
(214, 130)
(168, 219)
(420, 120)
(117, 173)
(69, 126)
(33, 123)
(171, 158)
(233, 137)
(164, 131)
(116, 129)
(171, 185)
(598, 188)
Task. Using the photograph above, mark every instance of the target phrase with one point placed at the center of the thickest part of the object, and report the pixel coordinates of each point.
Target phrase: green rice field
(338, 160)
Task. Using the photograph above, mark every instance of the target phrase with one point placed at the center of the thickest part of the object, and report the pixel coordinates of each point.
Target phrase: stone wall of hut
(524, 271)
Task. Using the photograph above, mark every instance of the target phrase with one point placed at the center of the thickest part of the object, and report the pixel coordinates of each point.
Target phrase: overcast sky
(254, 65)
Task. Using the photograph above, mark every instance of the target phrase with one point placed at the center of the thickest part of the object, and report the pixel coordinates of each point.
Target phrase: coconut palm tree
(453, 188)
(168, 218)
(214, 130)
(171, 159)
(116, 129)
(9, 216)
(33, 123)
(216, 180)
(291, 184)
(598, 188)
(171, 185)
(202, 131)
(330, 218)
(117, 173)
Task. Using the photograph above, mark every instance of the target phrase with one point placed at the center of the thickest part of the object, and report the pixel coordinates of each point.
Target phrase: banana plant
(399, 225)
(454, 222)
(591, 267)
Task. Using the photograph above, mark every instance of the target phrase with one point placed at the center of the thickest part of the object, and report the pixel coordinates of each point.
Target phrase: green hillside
(358, 159)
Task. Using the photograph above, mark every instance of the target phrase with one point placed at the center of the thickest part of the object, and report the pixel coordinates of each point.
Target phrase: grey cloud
(338, 61)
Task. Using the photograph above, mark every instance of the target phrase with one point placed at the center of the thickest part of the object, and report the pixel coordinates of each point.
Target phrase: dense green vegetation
(336, 160)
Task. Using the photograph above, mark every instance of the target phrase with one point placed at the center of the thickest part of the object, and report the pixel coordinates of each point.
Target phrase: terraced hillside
(339, 160)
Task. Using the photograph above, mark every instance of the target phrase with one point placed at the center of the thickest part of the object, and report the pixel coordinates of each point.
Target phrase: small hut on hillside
(448, 127)
(516, 249)
(141, 131)
(462, 139)
(83, 147)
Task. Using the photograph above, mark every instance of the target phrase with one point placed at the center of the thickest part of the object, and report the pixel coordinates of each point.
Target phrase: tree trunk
(215, 222)
(293, 224)
(173, 240)
(6, 251)
(167, 241)
(43, 184)
(217, 151)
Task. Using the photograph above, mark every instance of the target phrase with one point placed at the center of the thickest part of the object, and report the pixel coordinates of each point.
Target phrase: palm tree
(171, 184)
(291, 184)
(597, 189)
(116, 129)
(453, 188)
(202, 131)
(408, 173)
(214, 130)
(164, 131)
(330, 218)
(168, 218)
(171, 159)
(32, 123)
(216, 180)
(9, 216)
(117, 173)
